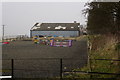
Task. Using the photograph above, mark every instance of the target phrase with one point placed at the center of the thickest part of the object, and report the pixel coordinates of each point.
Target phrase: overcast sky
(19, 17)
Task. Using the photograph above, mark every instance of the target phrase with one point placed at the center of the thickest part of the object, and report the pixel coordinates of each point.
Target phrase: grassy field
(102, 47)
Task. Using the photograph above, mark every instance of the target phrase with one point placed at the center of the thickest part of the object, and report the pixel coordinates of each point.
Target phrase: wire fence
(48, 67)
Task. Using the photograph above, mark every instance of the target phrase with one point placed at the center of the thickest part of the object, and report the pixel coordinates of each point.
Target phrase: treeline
(103, 17)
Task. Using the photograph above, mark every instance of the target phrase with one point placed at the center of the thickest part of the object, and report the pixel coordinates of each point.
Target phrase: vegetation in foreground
(103, 26)
(101, 47)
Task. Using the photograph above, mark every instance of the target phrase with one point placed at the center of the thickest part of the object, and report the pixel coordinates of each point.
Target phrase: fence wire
(48, 67)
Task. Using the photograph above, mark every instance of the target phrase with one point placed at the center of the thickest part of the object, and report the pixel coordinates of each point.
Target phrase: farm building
(55, 29)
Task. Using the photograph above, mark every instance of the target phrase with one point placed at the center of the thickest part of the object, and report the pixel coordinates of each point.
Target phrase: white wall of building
(56, 33)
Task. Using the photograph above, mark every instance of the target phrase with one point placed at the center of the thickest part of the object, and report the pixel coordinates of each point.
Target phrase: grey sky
(0, 20)
(19, 17)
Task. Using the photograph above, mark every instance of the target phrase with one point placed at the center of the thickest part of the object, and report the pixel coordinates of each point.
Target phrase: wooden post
(12, 66)
(61, 69)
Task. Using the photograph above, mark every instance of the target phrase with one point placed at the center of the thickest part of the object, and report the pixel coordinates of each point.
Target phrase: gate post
(12, 66)
(61, 69)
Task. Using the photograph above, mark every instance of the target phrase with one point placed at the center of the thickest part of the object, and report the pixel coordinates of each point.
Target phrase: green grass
(103, 47)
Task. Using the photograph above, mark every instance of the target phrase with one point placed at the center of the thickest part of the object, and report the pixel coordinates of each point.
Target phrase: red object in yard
(5, 42)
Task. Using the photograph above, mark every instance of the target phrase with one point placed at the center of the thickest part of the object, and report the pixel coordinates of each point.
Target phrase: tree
(103, 17)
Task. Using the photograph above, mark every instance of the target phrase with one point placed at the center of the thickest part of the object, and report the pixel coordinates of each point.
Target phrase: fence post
(12, 66)
(61, 69)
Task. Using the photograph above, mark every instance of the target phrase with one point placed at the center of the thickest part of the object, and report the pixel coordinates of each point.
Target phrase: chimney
(75, 21)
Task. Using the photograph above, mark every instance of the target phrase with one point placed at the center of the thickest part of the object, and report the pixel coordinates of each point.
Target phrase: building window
(72, 27)
(48, 27)
(60, 27)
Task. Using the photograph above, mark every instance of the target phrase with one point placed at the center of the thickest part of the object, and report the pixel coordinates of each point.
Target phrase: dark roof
(56, 27)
